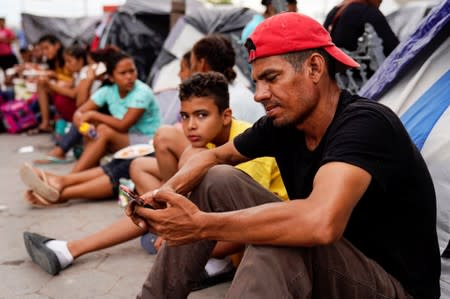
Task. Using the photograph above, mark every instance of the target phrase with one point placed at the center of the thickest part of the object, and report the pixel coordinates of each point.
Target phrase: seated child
(207, 122)
(65, 93)
(89, 80)
(94, 183)
(57, 75)
(134, 113)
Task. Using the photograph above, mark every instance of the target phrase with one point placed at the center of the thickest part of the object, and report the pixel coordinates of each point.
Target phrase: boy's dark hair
(209, 84)
(78, 52)
(218, 52)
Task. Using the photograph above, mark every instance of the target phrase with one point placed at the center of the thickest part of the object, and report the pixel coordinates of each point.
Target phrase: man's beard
(286, 123)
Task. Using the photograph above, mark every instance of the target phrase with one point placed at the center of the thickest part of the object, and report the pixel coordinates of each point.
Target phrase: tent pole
(178, 10)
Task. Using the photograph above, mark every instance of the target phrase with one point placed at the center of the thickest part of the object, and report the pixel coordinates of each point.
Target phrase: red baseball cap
(292, 32)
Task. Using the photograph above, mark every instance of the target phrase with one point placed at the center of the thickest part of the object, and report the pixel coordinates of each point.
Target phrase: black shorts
(117, 169)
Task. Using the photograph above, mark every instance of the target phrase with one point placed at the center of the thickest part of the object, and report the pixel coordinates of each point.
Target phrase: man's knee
(221, 174)
(211, 193)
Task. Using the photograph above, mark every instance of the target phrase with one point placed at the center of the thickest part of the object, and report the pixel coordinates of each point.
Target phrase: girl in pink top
(7, 36)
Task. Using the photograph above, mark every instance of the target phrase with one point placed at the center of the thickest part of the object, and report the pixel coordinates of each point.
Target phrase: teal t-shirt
(141, 96)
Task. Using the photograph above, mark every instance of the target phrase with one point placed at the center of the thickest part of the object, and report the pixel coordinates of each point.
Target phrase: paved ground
(112, 273)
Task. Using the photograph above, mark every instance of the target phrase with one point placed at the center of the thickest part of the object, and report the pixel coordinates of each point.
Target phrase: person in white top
(215, 53)
(242, 103)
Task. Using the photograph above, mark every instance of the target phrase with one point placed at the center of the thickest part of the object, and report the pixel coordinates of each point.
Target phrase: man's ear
(227, 116)
(316, 67)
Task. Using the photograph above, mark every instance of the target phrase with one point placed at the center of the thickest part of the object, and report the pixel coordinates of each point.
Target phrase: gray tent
(196, 24)
(139, 27)
(68, 30)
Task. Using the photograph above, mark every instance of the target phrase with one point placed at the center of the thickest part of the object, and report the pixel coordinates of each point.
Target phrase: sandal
(37, 201)
(38, 185)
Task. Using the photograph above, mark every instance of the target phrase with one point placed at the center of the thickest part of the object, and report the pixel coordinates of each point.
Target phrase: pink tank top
(5, 48)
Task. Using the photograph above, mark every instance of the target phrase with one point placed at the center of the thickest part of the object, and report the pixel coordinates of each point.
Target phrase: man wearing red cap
(361, 222)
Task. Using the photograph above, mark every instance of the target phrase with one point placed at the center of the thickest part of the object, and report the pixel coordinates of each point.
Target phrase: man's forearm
(196, 167)
(268, 224)
(191, 173)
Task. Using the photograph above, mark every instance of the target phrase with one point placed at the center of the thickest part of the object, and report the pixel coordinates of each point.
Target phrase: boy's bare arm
(195, 168)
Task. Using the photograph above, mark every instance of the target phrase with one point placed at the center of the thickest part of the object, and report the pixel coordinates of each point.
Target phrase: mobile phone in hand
(134, 198)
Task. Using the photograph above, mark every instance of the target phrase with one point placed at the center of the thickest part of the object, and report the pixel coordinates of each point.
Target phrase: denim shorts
(70, 139)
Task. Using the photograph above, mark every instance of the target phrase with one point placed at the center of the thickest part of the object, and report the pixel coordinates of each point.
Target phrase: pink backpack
(17, 116)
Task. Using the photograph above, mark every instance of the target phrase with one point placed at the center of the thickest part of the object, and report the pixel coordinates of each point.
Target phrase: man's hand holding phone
(134, 199)
(134, 202)
(178, 221)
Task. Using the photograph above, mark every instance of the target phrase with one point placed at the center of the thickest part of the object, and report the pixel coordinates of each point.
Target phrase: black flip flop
(41, 254)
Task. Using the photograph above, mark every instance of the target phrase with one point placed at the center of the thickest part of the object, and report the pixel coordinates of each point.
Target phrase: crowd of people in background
(291, 138)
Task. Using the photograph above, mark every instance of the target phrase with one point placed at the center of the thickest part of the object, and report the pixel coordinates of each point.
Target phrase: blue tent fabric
(415, 79)
(421, 117)
(407, 52)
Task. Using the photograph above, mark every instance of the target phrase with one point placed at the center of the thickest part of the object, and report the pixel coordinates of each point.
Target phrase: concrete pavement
(116, 272)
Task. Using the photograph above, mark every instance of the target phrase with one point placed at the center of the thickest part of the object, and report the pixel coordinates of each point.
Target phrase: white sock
(59, 247)
(216, 266)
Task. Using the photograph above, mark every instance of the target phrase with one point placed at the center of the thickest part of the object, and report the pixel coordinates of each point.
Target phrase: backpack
(17, 116)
